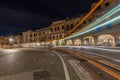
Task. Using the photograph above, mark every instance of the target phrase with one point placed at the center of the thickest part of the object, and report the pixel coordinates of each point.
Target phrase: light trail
(107, 57)
(91, 11)
(107, 15)
(101, 25)
(110, 50)
(104, 17)
(87, 47)
(99, 65)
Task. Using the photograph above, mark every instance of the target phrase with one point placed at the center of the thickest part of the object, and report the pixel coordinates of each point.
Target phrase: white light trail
(104, 17)
(112, 21)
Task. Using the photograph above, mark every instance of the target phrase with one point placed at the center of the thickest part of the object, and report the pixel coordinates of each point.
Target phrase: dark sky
(21, 15)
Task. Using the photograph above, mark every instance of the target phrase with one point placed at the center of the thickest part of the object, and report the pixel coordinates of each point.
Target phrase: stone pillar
(60, 42)
(82, 41)
(116, 41)
(54, 43)
(95, 40)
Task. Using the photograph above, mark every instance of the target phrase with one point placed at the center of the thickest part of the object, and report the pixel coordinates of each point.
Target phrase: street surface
(30, 64)
(49, 64)
(109, 54)
(38, 64)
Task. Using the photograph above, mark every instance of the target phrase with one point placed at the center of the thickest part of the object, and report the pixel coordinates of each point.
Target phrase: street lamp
(11, 40)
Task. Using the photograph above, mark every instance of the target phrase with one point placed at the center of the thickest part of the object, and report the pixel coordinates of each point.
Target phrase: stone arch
(54, 43)
(77, 42)
(118, 42)
(57, 43)
(106, 40)
(88, 40)
(69, 42)
(61, 42)
(119, 39)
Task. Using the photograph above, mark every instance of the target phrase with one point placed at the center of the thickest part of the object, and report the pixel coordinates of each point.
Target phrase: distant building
(6, 42)
(17, 41)
(26, 36)
(1, 41)
(42, 35)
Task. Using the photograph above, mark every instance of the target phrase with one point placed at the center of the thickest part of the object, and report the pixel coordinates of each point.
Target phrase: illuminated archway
(77, 42)
(54, 43)
(69, 42)
(88, 40)
(57, 43)
(106, 40)
(61, 42)
(119, 39)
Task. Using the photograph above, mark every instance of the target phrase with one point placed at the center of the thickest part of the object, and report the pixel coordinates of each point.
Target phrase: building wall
(26, 36)
(32, 36)
(1, 41)
(42, 34)
(58, 28)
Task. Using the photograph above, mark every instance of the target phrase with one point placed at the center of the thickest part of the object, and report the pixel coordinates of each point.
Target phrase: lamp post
(11, 40)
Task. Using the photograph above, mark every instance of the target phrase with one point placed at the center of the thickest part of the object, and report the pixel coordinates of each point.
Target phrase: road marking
(100, 66)
(67, 77)
(81, 72)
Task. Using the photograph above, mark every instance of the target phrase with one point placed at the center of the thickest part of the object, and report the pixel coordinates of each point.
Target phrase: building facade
(108, 35)
(58, 29)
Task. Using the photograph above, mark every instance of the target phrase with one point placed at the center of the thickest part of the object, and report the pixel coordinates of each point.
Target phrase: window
(93, 16)
(62, 27)
(89, 20)
(67, 26)
(77, 22)
(43, 32)
(58, 27)
(99, 7)
(30, 35)
(46, 33)
(34, 34)
(51, 29)
(55, 28)
(84, 22)
(49, 32)
(107, 4)
(63, 35)
(71, 25)
(58, 35)
(51, 36)
(55, 35)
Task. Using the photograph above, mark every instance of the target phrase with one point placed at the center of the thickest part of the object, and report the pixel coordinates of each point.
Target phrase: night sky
(17, 16)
